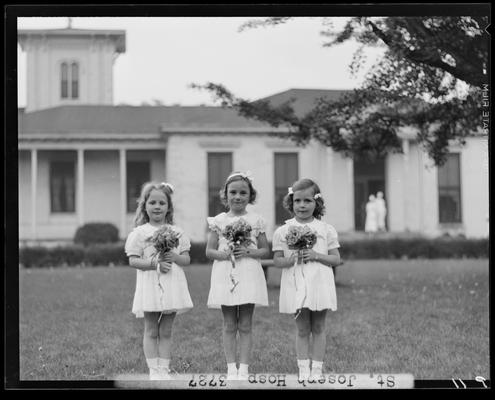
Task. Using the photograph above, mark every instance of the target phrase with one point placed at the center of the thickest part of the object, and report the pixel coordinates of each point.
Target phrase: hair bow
(169, 185)
(290, 191)
(317, 196)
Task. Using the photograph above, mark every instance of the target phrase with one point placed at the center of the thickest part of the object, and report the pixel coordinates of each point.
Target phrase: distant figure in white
(381, 211)
(371, 224)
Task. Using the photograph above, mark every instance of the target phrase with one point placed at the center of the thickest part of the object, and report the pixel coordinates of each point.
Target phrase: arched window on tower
(74, 80)
(69, 80)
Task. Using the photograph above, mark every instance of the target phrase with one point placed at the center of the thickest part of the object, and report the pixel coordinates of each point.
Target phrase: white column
(350, 179)
(405, 179)
(34, 194)
(80, 186)
(123, 193)
(421, 191)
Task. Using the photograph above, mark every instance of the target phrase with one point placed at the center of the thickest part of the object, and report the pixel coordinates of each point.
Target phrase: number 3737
(204, 380)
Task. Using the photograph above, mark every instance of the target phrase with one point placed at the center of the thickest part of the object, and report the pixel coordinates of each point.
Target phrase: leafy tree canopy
(430, 77)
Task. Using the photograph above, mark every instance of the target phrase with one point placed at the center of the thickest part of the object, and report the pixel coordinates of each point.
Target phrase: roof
(117, 35)
(135, 119)
(102, 119)
(304, 99)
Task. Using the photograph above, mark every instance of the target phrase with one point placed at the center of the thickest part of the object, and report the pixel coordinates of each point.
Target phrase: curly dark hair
(303, 184)
(232, 178)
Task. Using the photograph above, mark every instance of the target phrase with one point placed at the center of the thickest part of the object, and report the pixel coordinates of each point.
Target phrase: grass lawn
(429, 318)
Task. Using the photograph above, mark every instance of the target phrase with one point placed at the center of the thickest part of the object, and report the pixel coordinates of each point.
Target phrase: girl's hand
(309, 255)
(164, 267)
(169, 257)
(240, 251)
(226, 255)
(292, 259)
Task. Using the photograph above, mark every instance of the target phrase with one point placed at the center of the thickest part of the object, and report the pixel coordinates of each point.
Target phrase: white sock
(303, 364)
(152, 363)
(163, 363)
(231, 369)
(243, 369)
(317, 366)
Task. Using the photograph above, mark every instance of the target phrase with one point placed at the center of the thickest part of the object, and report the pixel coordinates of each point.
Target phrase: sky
(165, 55)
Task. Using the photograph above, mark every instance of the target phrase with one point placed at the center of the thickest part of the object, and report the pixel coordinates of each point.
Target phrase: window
(65, 81)
(138, 173)
(219, 168)
(286, 173)
(449, 190)
(69, 80)
(62, 186)
(74, 80)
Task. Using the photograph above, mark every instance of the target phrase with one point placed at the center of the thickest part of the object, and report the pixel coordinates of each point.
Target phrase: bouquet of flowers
(237, 233)
(300, 238)
(164, 239)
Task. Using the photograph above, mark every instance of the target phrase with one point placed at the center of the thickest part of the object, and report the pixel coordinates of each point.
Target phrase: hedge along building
(82, 159)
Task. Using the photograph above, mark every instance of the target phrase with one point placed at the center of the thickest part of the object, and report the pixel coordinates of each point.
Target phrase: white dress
(251, 287)
(371, 223)
(381, 211)
(148, 295)
(309, 285)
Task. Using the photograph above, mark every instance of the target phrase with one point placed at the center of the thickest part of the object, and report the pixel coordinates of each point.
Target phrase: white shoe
(316, 374)
(304, 374)
(243, 376)
(155, 374)
(232, 377)
(164, 374)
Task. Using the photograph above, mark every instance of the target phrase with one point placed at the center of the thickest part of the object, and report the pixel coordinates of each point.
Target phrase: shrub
(105, 254)
(96, 233)
(372, 248)
(51, 257)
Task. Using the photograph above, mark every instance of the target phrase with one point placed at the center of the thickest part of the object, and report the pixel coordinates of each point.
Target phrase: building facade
(82, 159)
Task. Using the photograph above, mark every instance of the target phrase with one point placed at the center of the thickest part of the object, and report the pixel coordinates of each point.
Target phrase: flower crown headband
(290, 192)
(246, 175)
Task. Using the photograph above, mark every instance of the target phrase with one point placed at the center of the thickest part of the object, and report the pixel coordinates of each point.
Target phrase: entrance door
(369, 178)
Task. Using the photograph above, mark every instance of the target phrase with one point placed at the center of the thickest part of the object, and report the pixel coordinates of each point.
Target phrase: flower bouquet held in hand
(164, 239)
(300, 238)
(237, 233)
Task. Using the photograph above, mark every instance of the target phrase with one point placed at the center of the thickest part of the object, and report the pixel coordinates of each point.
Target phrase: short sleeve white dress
(173, 296)
(251, 287)
(309, 285)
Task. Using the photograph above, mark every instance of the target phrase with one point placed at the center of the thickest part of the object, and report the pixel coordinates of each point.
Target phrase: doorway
(369, 178)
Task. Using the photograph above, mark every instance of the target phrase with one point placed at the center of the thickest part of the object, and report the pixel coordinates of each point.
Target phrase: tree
(430, 77)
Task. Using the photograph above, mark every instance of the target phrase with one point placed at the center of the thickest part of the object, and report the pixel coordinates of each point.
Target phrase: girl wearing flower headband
(237, 279)
(153, 298)
(311, 292)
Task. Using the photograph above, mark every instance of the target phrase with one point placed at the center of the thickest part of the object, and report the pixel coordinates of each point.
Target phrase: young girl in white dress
(161, 286)
(311, 293)
(237, 290)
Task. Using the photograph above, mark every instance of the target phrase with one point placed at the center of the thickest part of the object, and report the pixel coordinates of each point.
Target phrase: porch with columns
(78, 217)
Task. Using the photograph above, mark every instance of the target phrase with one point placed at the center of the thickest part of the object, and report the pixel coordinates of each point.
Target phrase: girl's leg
(229, 332)
(318, 319)
(165, 335)
(150, 337)
(150, 343)
(303, 324)
(245, 335)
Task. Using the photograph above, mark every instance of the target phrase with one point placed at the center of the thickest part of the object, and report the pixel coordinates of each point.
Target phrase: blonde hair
(141, 216)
